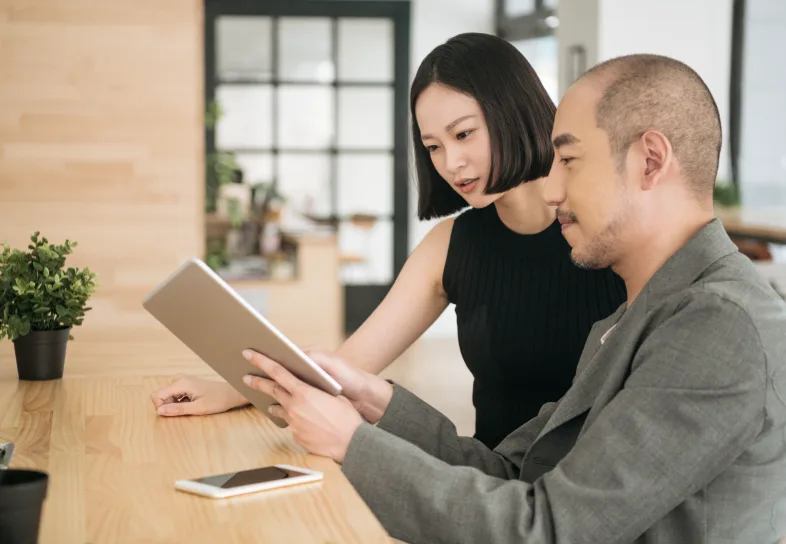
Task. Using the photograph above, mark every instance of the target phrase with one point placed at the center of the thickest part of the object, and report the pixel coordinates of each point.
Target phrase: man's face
(593, 199)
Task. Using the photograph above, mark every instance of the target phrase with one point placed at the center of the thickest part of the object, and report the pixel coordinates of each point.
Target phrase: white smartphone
(221, 486)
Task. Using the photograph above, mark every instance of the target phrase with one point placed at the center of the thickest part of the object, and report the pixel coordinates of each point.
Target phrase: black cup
(22, 494)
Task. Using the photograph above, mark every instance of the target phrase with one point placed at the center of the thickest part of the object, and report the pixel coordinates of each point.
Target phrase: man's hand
(321, 423)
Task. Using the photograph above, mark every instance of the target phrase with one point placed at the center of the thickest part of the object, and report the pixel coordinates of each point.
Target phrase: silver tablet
(209, 317)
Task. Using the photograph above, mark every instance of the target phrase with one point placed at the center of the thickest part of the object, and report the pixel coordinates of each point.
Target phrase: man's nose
(554, 187)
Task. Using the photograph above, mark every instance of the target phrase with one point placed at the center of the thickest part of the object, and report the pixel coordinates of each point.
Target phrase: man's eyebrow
(565, 139)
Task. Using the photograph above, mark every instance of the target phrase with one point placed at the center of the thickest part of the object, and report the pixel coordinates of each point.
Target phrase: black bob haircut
(518, 111)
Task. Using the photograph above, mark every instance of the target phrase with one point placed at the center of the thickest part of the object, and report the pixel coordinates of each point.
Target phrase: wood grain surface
(112, 463)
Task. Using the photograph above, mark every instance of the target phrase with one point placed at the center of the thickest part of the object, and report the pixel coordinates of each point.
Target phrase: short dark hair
(653, 92)
(519, 114)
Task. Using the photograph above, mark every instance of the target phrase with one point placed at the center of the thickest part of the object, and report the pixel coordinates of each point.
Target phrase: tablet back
(209, 317)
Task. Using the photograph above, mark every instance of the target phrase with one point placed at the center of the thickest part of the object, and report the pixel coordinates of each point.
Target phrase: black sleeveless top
(524, 311)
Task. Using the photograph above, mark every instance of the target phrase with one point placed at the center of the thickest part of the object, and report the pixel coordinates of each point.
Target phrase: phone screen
(248, 477)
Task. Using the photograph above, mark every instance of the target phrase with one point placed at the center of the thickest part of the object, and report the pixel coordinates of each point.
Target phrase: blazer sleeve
(692, 404)
(408, 417)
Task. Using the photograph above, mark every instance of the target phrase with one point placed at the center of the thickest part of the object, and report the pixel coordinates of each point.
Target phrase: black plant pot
(40, 355)
(22, 495)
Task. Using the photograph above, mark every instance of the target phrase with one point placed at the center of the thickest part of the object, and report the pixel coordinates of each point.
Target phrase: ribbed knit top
(524, 311)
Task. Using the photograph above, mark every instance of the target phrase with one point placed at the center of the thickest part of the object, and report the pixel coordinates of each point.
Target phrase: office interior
(272, 140)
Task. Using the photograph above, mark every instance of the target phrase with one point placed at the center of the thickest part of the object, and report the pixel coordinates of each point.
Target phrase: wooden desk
(112, 461)
(759, 224)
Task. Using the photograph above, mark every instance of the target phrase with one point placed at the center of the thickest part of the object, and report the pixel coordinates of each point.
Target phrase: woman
(482, 131)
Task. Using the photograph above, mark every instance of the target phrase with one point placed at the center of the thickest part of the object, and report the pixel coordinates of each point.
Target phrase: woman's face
(454, 132)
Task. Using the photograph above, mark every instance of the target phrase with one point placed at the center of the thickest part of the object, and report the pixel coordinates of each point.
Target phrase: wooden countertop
(766, 223)
(112, 461)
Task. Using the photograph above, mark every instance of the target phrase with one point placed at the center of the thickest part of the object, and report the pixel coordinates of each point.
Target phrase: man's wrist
(378, 398)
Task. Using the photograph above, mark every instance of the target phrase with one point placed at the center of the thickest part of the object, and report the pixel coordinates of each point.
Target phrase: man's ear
(658, 157)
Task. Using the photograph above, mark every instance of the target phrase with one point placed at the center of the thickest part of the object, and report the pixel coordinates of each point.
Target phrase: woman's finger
(171, 392)
(196, 408)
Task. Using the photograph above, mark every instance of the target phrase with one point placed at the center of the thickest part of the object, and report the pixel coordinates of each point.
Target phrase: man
(675, 427)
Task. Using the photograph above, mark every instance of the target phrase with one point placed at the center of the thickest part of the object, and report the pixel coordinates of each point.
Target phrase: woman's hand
(321, 423)
(189, 396)
(369, 394)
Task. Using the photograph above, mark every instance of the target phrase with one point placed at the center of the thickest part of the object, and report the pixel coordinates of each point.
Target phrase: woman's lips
(466, 186)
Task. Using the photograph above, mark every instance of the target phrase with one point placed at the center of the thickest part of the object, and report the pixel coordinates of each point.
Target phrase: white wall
(763, 153)
(433, 22)
(697, 33)
(578, 26)
(763, 149)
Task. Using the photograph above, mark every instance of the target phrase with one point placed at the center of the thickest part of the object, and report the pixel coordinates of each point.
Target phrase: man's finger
(278, 411)
(270, 388)
(274, 370)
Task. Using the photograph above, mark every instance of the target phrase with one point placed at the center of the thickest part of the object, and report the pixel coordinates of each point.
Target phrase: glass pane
(243, 48)
(304, 181)
(365, 50)
(305, 49)
(256, 168)
(245, 122)
(552, 4)
(514, 8)
(365, 118)
(365, 183)
(306, 116)
(366, 252)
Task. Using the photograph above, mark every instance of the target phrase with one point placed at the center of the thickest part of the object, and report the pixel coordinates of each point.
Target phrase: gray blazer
(674, 430)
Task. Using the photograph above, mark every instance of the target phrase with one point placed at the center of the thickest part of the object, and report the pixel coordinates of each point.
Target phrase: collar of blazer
(706, 247)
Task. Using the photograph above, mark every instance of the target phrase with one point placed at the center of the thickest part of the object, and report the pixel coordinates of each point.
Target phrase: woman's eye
(432, 148)
(464, 134)
(566, 160)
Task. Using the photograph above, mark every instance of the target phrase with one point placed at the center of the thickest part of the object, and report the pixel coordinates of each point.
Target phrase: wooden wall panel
(101, 135)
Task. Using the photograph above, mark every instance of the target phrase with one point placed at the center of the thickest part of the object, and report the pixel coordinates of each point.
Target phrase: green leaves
(37, 292)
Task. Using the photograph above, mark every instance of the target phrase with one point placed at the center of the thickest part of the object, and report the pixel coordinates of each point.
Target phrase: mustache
(566, 216)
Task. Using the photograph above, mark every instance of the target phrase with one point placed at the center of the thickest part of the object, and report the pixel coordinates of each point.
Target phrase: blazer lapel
(591, 375)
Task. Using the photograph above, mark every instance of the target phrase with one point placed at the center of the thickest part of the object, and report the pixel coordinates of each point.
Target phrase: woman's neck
(523, 209)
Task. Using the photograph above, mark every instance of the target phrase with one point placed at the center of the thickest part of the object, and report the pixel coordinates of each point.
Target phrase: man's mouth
(566, 219)
(466, 185)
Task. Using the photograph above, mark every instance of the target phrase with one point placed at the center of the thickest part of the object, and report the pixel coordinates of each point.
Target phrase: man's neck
(651, 253)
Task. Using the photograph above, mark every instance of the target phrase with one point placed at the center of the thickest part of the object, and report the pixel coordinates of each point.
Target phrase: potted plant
(40, 302)
(220, 166)
(726, 194)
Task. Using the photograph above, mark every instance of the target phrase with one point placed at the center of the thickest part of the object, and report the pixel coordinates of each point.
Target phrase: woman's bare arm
(413, 303)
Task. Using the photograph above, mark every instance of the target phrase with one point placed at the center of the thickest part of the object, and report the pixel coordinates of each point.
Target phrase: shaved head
(651, 92)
